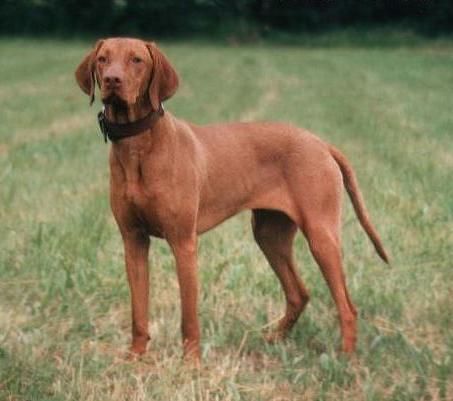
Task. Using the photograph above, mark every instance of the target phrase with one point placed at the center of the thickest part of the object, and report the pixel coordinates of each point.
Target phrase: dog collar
(115, 132)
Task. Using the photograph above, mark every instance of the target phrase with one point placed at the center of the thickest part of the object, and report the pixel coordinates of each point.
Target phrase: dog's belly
(208, 219)
(274, 198)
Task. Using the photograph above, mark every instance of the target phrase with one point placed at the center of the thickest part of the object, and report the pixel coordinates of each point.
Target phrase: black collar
(115, 132)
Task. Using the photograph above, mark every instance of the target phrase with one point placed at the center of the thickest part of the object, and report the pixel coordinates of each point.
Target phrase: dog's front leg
(185, 252)
(136, 246)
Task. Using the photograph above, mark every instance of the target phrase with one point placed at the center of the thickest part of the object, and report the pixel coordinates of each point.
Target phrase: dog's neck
(127, 114)
(119, 120)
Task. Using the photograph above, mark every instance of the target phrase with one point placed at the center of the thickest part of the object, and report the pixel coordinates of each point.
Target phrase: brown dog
(175, 180)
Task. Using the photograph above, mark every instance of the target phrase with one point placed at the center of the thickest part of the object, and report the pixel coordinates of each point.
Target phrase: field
(64, 301)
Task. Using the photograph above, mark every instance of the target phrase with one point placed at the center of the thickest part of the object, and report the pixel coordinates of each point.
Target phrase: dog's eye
(102, 59)
(136, 60)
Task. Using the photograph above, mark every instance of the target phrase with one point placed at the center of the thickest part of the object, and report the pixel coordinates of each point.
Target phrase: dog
(176, 180)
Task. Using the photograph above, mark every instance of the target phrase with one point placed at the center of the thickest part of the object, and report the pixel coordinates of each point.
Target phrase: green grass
(64, 306)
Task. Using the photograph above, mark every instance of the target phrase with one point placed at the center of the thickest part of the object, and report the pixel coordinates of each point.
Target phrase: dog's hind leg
(318, 196)
(274, 233)
(320, 212)
(324, 243)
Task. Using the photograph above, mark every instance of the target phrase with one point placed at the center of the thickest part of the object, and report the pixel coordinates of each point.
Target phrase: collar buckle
(103, 124)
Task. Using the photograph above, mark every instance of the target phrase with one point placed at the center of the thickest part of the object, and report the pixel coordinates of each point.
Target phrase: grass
(64, 306)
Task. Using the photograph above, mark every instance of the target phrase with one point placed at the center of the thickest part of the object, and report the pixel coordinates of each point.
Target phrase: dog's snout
(112, 80)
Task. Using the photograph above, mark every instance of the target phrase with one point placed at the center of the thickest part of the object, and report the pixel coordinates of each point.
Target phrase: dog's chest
(144, 193)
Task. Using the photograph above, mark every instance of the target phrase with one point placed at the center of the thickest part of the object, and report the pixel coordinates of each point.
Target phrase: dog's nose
(112, 81)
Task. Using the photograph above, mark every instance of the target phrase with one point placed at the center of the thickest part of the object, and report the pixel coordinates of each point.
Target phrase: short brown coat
(178, 180)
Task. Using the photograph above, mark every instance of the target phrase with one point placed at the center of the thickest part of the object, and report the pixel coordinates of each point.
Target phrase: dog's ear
(164, 81)
(85, 72)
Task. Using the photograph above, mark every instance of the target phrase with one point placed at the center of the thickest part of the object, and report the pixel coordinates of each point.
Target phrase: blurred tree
(182, 17)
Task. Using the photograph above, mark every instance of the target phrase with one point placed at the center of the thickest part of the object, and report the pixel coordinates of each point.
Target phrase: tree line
(167, 18)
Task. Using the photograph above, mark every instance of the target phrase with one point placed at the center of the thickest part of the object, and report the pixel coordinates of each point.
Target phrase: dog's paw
(274, 336)
(133, 355)
(192, 354)
(192, 362)
(130, 356)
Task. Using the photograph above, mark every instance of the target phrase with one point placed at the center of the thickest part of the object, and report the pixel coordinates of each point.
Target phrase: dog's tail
(352, 187)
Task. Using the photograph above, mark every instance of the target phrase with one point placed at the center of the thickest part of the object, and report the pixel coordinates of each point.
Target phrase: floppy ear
(85, 72)
(164, 80)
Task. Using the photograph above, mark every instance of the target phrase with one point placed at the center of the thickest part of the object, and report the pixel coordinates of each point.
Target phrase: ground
(64, 302)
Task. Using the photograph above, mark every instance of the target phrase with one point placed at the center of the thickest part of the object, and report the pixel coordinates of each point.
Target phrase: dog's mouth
(113, 99)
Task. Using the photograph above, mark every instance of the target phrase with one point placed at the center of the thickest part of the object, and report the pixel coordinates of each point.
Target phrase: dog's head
(128, 71)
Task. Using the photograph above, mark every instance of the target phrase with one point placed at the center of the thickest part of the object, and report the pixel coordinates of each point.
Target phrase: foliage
(208, 17)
